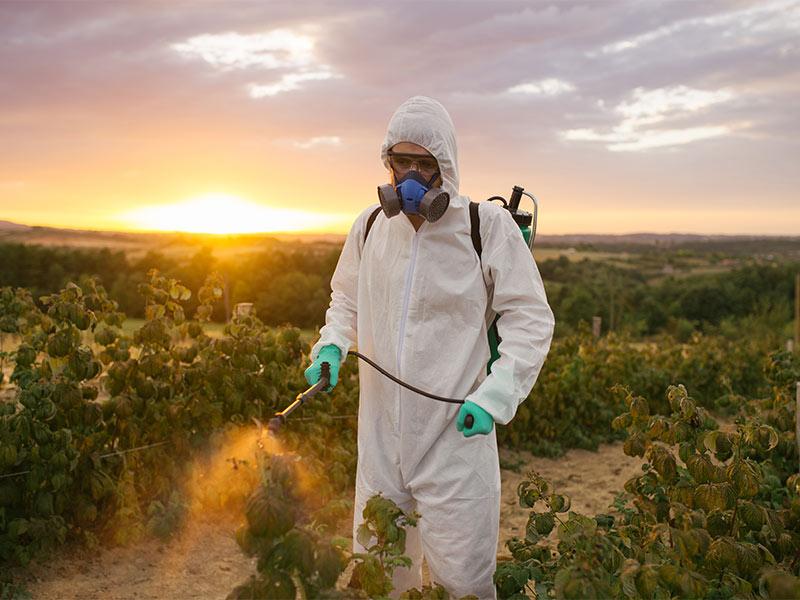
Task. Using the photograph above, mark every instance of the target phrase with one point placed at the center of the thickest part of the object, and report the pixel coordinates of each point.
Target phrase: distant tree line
(737, 246)
(758, 295)
(286, 284)
(291, 284)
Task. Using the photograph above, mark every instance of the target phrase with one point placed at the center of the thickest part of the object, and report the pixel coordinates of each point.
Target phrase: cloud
(765, 19)
(648, 108)
(329, 141)
(543, 87)
(279, 49)
(621, 140)
(652, 106)
(271, 50)
(288, 83)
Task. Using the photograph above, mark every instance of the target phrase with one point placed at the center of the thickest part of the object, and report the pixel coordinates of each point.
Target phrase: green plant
(719, 525)
(293, 555)
(384, 536)
(573, 402)
(12, 591)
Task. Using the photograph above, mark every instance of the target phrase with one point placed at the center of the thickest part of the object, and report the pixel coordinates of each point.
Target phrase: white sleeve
(526, 322)
(341, 318)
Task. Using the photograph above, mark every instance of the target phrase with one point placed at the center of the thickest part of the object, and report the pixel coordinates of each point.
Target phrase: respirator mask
(412, 192)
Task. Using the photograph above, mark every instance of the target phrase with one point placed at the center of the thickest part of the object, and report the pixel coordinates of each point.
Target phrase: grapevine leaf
(773, 439)
(727, 495)
(747, 560)
(743, 478)
(639, 408)
(17, 528)
(560, 503)
(700, 468)
(685, 544)
(647, 581)
(688, 408)
(671, 575)
(636, 445)
(702, 539)
(531, 534)
(774, 522)
(693, 585)
(628, 573)
(710, 440)
(721, 553)
(544, 523)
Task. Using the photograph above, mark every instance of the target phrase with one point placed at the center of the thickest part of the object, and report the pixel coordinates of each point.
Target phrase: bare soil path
(204, 562)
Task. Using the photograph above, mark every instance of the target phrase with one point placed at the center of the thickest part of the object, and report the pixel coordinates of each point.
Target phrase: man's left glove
(331, 355)
(483, 421)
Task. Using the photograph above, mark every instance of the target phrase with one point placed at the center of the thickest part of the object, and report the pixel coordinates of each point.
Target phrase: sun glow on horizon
(226, 214)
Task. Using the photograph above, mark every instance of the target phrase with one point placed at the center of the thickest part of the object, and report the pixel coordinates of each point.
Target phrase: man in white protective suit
(412, 293)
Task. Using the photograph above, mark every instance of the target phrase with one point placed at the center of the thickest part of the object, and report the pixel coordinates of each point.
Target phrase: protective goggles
(402, 163)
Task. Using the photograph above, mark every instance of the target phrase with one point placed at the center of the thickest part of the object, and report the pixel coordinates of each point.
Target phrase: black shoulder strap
(475, 232)
(475, 227)
(370, 221)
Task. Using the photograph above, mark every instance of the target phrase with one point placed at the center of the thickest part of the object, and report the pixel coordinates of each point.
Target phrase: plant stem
(794, 560)
(733, 518)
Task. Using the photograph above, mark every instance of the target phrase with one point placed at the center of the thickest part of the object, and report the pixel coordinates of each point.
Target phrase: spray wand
(276, 422)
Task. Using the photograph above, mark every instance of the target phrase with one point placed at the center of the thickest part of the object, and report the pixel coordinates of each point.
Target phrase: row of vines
(714, 514)
(98, 429)
(98, 432)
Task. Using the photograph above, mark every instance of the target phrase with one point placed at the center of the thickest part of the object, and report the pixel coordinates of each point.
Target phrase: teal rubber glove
(483, 420)
(331, 355)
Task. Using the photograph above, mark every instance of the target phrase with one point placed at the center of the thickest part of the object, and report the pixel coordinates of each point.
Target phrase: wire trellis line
(118, 452)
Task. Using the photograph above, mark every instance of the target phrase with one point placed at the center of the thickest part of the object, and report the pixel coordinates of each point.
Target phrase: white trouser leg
(459, 540)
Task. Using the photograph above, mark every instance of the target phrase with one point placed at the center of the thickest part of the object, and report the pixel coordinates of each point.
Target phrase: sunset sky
(621, 117)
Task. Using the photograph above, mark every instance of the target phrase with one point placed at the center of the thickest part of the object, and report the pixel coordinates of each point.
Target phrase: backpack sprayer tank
(527, 226)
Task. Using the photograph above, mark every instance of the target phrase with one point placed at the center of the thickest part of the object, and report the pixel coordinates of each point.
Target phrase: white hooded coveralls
(417, 303)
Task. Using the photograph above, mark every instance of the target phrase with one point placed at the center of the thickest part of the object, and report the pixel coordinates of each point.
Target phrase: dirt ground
(204, 562)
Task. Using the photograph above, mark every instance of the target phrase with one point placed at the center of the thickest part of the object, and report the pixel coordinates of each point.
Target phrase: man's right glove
(331, 355)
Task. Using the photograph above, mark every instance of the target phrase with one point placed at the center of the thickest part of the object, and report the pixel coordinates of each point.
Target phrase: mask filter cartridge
(414, 196)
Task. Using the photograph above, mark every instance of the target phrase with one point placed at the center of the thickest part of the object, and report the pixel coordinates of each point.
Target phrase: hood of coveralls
(425, 122)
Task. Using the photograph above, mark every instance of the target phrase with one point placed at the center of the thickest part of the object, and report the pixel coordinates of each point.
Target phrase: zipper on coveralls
(404, 314)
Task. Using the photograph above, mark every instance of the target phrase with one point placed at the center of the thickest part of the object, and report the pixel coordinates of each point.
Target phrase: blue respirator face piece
(411, 189)
(414, 196)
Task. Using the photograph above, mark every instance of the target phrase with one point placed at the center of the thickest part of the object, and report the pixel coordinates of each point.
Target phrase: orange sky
(619, 118)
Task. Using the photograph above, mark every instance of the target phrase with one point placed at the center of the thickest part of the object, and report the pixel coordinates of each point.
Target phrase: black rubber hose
(468, 422)
(383, 371)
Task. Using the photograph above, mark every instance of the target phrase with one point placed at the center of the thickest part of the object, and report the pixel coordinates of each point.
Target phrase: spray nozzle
(275, 423)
